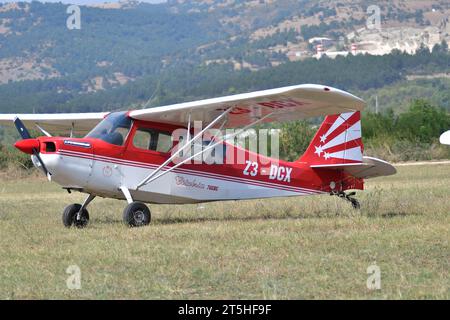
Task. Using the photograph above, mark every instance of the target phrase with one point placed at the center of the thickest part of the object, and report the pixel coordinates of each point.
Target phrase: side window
(152, 139)
(164, 142)
(142, 139)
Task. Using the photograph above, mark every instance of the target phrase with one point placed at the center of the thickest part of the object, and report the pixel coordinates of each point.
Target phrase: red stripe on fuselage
(302, 178)
(190, 172)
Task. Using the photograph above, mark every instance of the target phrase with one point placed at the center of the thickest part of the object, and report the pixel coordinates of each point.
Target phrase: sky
(83, 2)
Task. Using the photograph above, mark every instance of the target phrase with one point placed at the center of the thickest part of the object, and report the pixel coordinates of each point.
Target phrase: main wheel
(136, 214)
(69, 216)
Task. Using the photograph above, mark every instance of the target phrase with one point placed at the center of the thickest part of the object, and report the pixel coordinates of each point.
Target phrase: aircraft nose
(27, 145)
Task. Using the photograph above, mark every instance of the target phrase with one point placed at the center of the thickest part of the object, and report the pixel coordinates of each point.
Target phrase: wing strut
(43, 130)
(153, 177)
(188, 143)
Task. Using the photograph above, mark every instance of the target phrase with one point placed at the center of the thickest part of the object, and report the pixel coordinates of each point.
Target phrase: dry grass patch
(311, 247)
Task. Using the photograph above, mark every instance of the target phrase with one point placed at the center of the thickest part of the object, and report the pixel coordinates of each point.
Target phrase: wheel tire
(136, 214)
(70, 214)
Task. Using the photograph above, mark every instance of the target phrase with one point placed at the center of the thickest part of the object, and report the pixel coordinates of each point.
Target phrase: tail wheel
(136, 214)
(349, 197)
(70, 213)
(355, 204)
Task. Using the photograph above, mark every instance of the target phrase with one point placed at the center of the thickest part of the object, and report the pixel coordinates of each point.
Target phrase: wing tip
(355, 103)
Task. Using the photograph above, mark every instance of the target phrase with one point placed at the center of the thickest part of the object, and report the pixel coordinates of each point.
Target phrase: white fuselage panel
(103, 177)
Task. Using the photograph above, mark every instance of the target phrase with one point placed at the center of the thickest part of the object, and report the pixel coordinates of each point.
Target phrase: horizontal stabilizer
(369, 168)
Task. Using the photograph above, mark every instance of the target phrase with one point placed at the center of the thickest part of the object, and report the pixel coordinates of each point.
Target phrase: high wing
(81, 123)
(284, 104)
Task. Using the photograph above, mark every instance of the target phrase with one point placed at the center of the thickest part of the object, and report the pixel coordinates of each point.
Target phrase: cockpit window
(152, 139)
(113, 129)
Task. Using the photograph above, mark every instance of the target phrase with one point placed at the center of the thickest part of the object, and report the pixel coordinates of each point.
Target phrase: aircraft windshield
(113, 129)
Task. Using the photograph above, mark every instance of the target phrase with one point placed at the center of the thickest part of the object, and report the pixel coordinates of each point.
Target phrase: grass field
(297, 248)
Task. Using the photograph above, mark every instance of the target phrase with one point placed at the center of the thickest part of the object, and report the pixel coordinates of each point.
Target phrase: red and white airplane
(130, 155)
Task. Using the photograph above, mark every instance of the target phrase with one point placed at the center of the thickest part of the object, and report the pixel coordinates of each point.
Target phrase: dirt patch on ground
(99, 83)
(18, 69)
(428, 76)
(5, 7)
(4, 29)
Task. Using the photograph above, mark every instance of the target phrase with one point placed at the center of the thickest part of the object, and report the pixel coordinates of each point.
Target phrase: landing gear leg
(77, 214)
(84, 206)
(349, 197)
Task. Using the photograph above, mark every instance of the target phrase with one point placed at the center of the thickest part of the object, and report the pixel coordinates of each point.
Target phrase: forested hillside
(352, 73)
(126, 53)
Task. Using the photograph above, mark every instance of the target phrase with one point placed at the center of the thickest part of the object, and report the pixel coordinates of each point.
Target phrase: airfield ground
(316, 247)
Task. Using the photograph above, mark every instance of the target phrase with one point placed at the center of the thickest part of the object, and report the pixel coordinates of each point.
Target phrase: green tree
(295, 137)
(423, 122)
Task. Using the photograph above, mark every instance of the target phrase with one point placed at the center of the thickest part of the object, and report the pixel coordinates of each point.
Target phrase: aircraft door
(109, 148)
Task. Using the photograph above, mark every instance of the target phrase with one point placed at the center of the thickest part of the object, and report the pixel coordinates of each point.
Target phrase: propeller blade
(44, 168)
(25, 134)
(22, 129)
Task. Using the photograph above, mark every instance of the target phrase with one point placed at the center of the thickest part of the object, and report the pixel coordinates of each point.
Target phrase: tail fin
(338, 141)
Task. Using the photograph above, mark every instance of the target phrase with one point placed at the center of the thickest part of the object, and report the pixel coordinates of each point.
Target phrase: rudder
(338, 141)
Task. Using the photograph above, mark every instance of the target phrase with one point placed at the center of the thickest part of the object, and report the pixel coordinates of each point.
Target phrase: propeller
(29, 144)
(21, 128)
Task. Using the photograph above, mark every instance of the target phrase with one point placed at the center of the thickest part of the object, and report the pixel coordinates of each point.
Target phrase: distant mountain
(132, 50)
